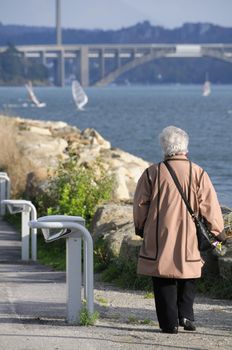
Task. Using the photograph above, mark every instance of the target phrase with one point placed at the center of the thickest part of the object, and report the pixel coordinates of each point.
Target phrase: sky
(115, 14)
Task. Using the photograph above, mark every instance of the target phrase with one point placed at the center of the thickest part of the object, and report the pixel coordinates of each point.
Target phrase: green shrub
(76, 190)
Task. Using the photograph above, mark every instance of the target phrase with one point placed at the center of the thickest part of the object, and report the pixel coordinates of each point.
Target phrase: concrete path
(32, 313)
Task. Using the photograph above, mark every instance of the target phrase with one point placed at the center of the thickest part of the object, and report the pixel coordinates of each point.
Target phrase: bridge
(109, 61)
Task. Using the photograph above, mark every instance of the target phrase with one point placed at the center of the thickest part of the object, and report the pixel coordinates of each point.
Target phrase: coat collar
(177, 157)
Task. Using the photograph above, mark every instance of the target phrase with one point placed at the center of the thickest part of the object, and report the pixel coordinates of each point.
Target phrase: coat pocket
(192, 251)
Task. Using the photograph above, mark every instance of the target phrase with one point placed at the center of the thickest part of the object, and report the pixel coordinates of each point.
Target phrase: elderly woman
(169, 252)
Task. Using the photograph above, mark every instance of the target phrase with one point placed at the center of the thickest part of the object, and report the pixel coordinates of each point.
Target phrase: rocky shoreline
(43, 144)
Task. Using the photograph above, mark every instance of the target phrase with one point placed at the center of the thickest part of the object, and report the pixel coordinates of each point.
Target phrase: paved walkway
(32, 313)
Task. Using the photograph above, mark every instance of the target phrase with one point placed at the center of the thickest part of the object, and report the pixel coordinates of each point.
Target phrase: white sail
(206, 88)
(32, 96)
(79, 96)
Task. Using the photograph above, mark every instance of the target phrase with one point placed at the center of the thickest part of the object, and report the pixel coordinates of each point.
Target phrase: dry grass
(11, 159)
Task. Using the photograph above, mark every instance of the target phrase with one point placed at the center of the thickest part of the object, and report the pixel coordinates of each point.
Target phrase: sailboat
(33, 97)
(79, 96)
(206, 87)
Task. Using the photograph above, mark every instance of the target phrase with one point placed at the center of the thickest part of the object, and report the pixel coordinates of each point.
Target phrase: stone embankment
(43, 144)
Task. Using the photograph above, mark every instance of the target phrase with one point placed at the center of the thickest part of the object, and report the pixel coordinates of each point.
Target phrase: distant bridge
(109, 61)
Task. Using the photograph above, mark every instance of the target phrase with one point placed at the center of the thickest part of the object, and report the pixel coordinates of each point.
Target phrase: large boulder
(43, 144)
(225, 262)
(127, 169)
(113, 224)
(44, 151)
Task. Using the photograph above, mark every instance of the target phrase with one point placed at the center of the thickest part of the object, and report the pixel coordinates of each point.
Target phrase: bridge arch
(112, 76)
(109, 78)
(220, 55)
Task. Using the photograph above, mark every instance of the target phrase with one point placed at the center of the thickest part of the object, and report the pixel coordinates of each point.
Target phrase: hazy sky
(114, 14)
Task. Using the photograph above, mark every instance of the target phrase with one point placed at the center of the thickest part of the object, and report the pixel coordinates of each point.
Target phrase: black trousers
(174, 300)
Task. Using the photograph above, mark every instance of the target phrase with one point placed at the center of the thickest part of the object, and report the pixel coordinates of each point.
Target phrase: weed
(146, 321)
(102, 301)
(149, 295)
(87, 319)
(133, 320)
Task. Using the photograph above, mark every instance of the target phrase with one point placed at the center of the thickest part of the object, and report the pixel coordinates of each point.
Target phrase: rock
(26, 123)
(225, 267)
(130, 247)
(40, 131)
(94, 138)
(43, 150)
(127, 169)
(43, 144)
(113, 223)
(227, 216)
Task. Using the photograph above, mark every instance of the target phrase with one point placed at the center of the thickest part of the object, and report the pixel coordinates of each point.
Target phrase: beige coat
(169, 246)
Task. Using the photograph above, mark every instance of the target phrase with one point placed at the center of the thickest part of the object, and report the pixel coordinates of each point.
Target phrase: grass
(87, 319)
(135, 320)
(102, 301)
(12, 161)
(215, 286)
(52, 254)
(123, 274)
(14, 220)
(149, 295)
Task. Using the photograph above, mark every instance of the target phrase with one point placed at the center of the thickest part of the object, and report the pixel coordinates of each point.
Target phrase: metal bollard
(4, 190)
(29, 212)
(72, 228)
(81, 221)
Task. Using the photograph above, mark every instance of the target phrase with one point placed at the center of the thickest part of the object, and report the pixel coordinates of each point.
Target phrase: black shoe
(173, 330)
(187, 324)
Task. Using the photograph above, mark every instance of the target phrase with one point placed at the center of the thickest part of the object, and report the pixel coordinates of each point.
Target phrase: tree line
(15, 69)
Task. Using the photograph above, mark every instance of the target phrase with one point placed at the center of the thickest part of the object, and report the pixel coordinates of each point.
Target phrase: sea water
(132, 117)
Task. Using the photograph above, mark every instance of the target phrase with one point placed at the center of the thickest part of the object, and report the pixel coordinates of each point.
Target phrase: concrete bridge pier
(117, 59)
(43, 57)
(25, 69)
(101, 63)
(60, 69)
(84, 66)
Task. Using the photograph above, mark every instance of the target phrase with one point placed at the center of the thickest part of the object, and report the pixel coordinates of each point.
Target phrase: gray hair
(173, 140)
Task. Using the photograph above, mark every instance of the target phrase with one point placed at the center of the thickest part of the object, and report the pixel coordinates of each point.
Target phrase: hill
(140, 33)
